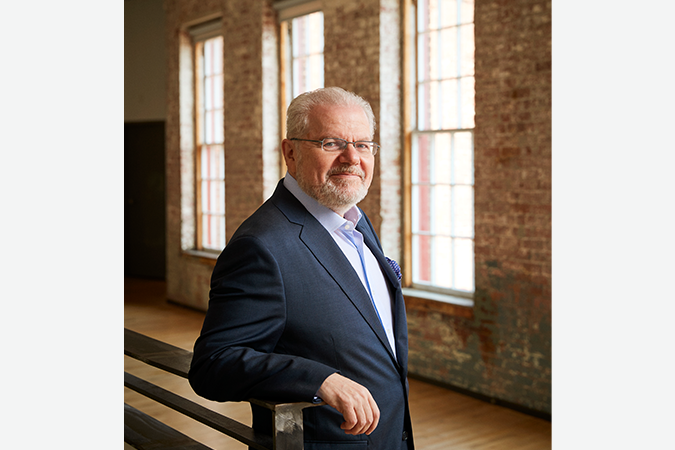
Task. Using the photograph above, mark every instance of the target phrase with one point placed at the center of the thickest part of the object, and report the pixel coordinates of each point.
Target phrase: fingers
(363, 418)
(357, 405)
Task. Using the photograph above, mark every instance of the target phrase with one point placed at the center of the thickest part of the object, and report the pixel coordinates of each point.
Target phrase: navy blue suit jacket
(286, 310)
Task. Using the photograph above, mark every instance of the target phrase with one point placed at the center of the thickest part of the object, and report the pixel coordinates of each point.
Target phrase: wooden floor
(442, 419)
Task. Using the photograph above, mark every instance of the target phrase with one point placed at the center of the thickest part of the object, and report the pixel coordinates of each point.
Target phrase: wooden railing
(144, 432)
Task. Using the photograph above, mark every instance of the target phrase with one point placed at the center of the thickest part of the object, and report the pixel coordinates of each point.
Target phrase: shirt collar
(330, 220)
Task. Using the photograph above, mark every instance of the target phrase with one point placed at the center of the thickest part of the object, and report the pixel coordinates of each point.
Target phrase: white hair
(297, 115)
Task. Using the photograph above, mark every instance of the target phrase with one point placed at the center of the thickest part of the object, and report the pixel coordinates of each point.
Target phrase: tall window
(442, 201)
(301, 50)
(303, 54)
(209, 138)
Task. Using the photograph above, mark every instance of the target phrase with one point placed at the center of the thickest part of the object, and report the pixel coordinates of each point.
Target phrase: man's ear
(288, 151)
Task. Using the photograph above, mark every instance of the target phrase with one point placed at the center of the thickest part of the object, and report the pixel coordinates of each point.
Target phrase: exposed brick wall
(271, 116)
(351, 61)
(389, 121)
(502, 347)
(243, 112)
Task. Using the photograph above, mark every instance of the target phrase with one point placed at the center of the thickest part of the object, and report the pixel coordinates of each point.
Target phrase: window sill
(425, 301)
(445, 298)
(203, 256)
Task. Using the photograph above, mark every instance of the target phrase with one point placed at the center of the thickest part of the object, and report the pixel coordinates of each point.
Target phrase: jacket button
(405, 435)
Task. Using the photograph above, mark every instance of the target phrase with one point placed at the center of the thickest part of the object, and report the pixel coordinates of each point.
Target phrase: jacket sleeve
(234, 357)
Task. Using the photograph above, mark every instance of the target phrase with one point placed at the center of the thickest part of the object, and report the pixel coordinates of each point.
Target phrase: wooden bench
(144, 432)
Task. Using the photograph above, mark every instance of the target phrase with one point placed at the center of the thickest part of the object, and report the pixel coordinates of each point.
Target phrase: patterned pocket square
(395, 267)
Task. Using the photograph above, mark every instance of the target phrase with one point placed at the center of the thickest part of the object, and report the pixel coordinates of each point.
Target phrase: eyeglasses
(334, 145)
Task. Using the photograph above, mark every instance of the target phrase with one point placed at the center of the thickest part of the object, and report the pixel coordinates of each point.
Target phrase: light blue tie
(349, 234)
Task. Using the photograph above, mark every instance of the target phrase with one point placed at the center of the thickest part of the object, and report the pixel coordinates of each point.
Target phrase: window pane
(211, 116)
(314, 72)
(217, 193)
(442, 161)
(218, 123)
(217, 84)
(206, 162)
(206, 232)
(212, 167)
(415, 219)
(213, 56)
(463, 211)
(448, 13)
(206, 196)
(217, 54)
(434, 53)
(208, 58)
(468, 113)
(448, 52)
(209, 93)
(442, 209)
(466, 11)
(422, 258)
(442, 265)
(464, 265)
(433, 105)
(213, 197)
(423, 159)
(463, 158)
(467, 50)
(299, 75)
(423, 69)
(213, 232)
(307, 53)
(212, 174)
(315, 32)
(423, 15)
(423, 210)
(219, 163)
(208, 126)
(449, 105)
(424, 114)
(429, 68)
(299, 36)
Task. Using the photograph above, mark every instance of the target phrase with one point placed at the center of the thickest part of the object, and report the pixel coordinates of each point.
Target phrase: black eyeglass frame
(376, 146)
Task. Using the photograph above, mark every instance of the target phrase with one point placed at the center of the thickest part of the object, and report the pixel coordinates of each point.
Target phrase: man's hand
(354, 401)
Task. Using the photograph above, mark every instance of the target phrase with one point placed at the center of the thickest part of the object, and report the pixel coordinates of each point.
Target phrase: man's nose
(350, 155)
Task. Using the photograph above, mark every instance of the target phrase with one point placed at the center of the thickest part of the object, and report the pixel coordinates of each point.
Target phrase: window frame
(411, 131)
(199, 34)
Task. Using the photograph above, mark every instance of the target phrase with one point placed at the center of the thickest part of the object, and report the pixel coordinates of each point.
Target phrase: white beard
(336, 194)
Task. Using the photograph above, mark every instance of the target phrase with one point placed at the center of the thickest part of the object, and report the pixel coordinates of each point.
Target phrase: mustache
(351, 170)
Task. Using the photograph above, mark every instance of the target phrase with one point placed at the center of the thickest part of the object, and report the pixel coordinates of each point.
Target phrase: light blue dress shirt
(344, 233)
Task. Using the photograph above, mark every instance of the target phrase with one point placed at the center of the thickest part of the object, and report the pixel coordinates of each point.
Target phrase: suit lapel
(400, 320)
(329, 255)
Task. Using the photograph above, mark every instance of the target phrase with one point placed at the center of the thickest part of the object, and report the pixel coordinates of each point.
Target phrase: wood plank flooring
(442, 419)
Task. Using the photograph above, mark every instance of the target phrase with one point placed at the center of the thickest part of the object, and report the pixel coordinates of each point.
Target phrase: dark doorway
(144, 200)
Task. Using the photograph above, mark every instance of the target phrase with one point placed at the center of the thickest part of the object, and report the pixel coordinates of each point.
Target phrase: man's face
(337, 180)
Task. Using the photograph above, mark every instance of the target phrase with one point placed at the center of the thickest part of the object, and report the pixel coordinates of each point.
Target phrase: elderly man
(304, 306)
